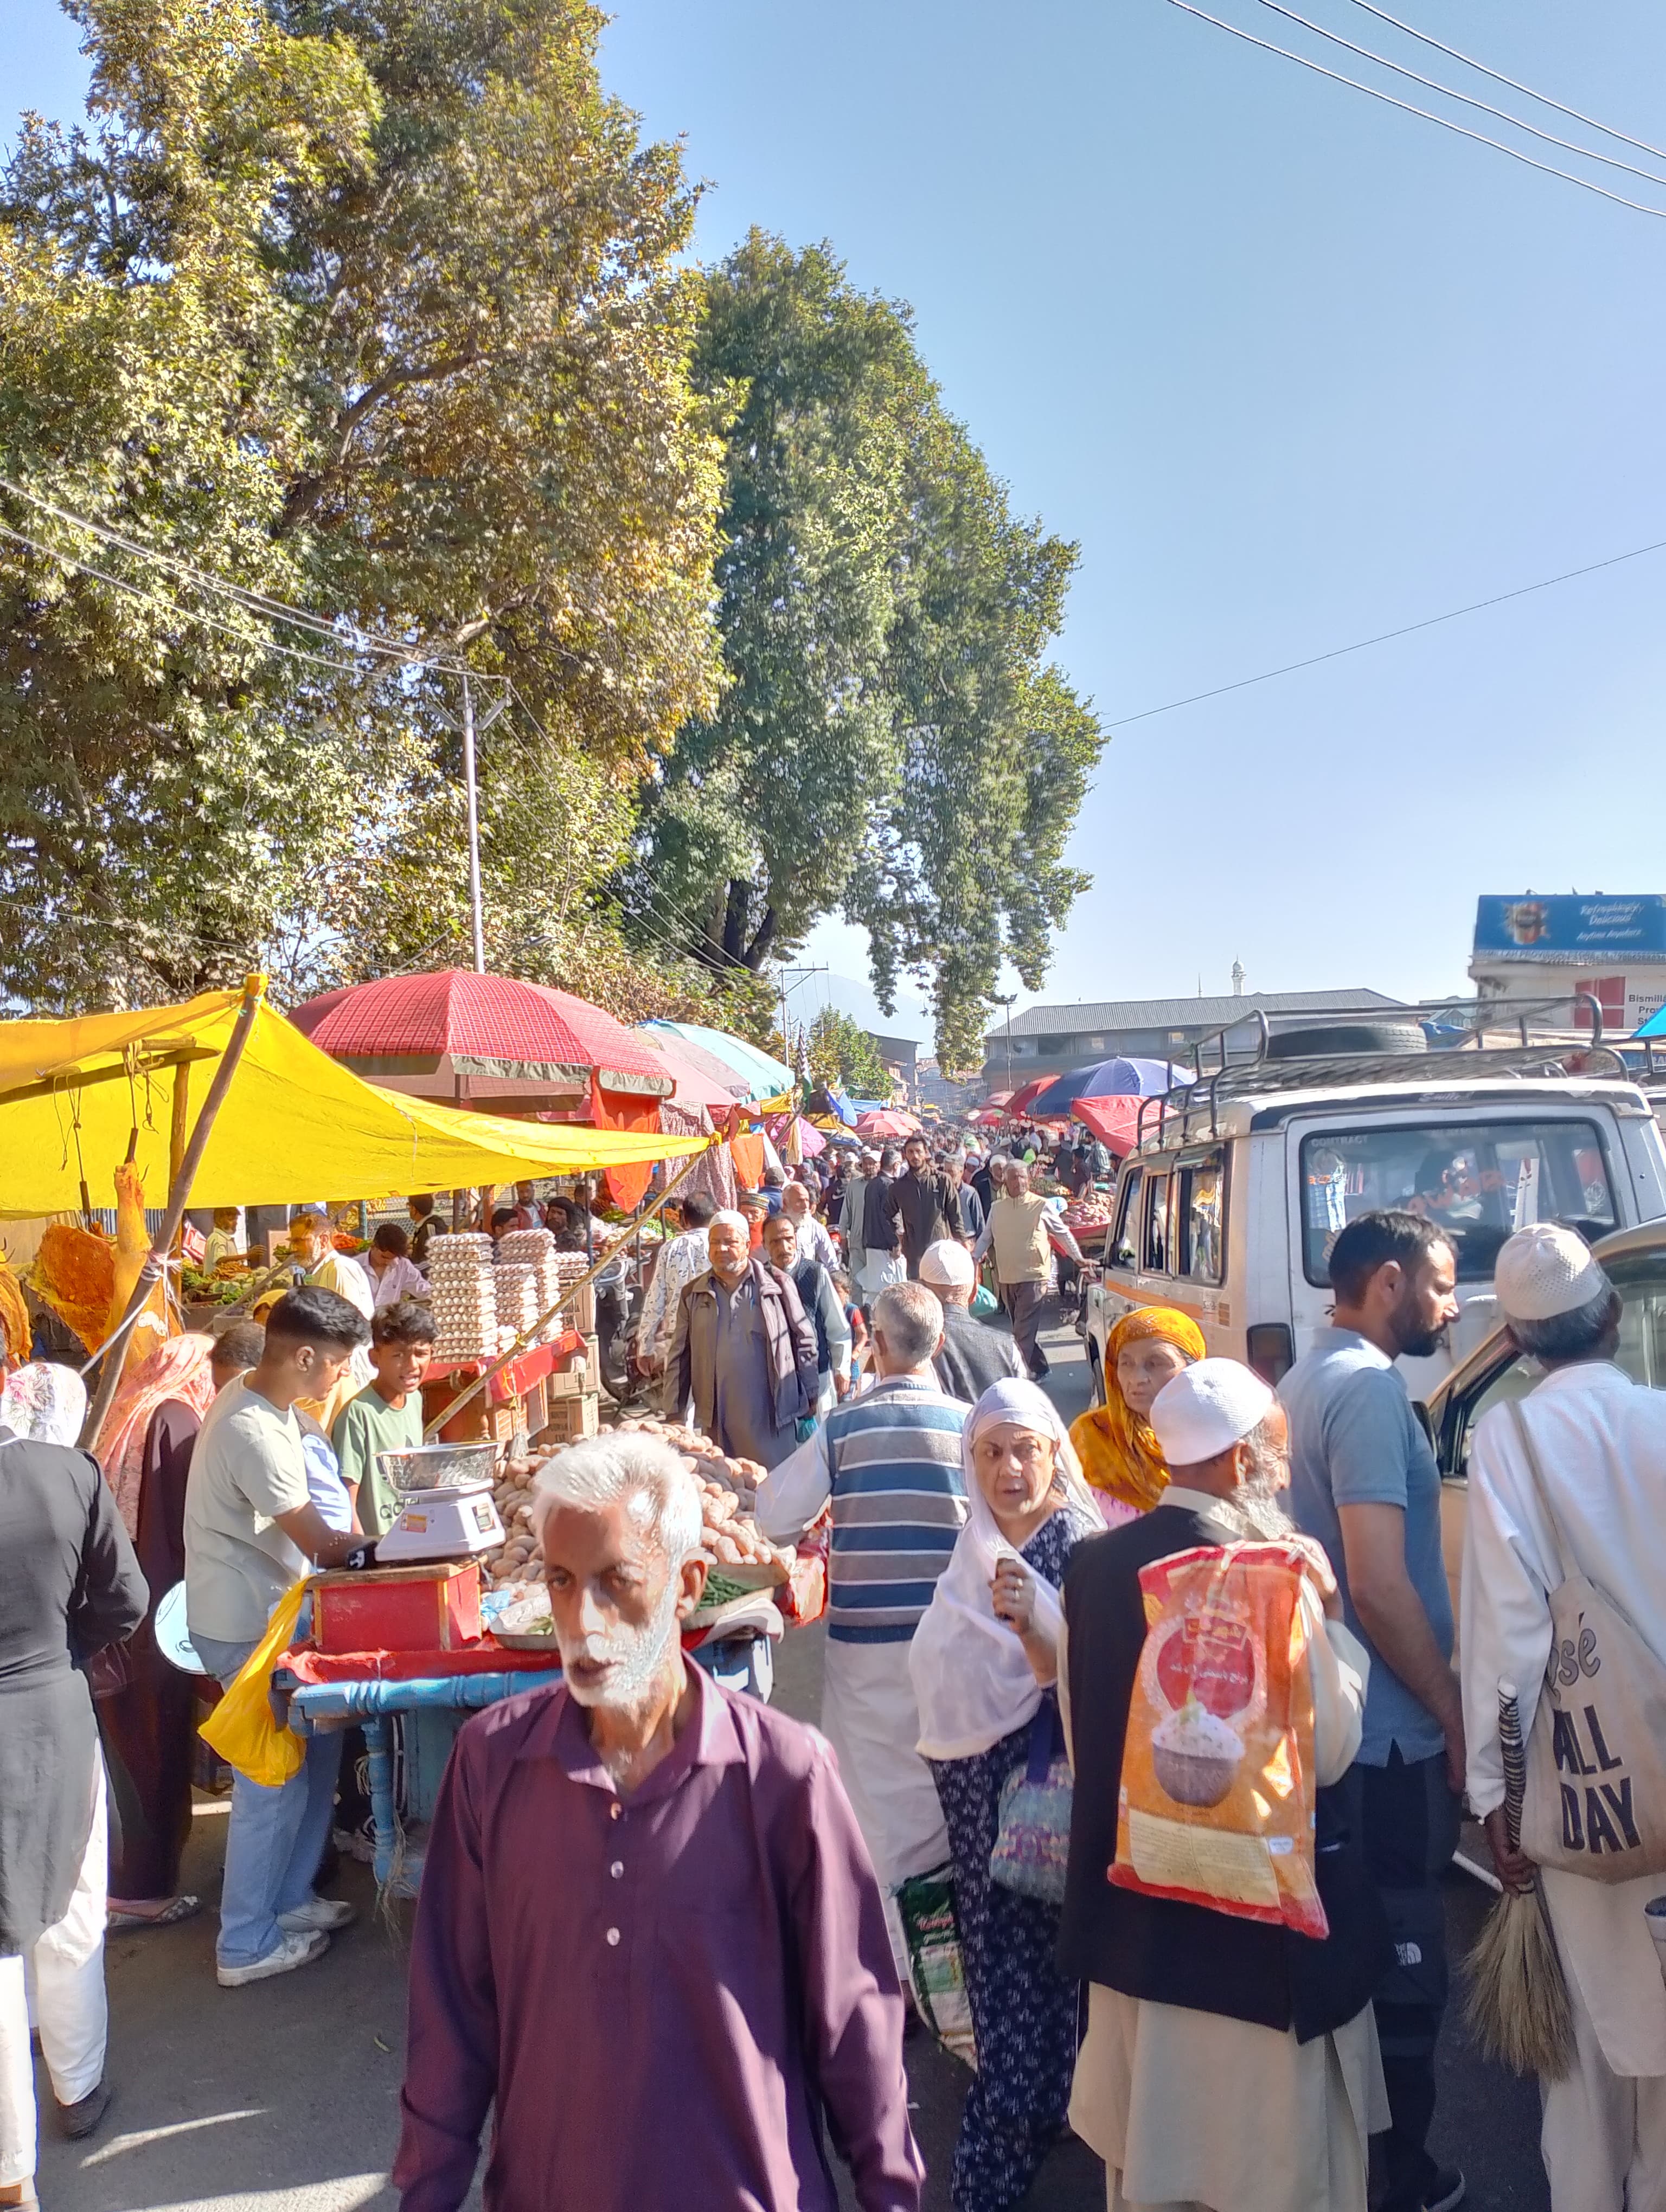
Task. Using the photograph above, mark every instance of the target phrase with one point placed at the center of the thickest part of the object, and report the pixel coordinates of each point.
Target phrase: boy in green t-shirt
(388, 1415)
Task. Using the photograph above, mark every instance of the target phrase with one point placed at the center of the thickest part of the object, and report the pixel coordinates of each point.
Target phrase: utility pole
(470, 728)
(1008, 1003)
(803, 976)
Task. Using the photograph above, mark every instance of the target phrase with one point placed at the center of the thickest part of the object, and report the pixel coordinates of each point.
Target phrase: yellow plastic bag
(241, 1727)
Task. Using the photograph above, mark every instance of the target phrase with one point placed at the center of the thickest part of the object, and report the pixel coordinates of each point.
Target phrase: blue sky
(1294, 368)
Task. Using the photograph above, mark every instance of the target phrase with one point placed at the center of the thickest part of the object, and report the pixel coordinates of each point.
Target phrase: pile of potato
(729, 1538)
(516, 1558)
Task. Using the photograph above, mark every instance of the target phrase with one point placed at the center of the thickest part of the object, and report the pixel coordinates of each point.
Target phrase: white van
(1229, 1206)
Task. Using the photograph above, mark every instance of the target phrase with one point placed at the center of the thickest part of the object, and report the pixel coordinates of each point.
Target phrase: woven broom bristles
(1517, 2007)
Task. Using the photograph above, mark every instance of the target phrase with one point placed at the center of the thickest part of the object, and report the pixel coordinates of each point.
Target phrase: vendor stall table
(514, 1398)
(437, 1704)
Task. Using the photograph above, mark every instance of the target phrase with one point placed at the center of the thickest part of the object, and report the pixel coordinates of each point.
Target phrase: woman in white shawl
(983, 1661)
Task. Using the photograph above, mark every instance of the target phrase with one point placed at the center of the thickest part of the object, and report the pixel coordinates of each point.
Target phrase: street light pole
(477, 916)
(470, 728)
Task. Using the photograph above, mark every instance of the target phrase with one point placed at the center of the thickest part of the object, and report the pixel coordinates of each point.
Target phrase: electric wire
(1434, 84)
(1498, 78)
(1480, 137)
(351, 636)
(1384, 637)
(666, 943)
(150, 597)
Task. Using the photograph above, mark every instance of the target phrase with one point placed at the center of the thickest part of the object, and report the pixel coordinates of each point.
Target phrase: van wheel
(1096, 1377)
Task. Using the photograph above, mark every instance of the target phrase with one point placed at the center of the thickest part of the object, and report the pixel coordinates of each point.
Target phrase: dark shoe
(1445, 2192)
(75, 2121)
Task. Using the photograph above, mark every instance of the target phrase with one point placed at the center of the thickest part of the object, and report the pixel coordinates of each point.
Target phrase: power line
(1388, 98)
(152, 597)
(1543, 98)
(1434, 84)
(260, 603)
(682, 951)
(1384, 637)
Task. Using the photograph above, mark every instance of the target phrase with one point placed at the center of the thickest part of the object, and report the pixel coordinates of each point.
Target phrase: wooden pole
(176, 1137)
(254, 990)
(537, 1327)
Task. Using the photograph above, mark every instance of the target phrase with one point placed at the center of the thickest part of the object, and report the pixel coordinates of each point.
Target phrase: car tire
(1096, 1379)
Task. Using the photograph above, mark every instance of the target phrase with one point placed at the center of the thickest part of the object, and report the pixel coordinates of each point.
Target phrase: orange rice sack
(1217, 1799)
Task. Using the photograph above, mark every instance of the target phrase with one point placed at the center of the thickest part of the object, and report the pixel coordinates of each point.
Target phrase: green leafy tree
(840, 1051)
(374, 308)
(892, 744)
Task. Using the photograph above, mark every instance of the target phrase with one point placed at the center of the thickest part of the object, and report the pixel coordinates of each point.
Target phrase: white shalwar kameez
(1600, 1439)
(870, 1713)
(1192, 2112)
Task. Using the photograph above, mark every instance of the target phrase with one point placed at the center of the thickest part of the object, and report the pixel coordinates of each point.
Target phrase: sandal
(176, 1910)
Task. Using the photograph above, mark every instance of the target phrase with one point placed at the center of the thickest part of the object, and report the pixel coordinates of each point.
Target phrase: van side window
(1155, 1213)
(1121, 1249)
(1202, 1186)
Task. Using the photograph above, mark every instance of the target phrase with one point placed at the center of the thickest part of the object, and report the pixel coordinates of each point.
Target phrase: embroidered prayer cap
(1207, 1409)
(949, 1264)
(1543, 1270)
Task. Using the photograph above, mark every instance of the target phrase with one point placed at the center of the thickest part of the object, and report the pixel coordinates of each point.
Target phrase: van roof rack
(1476, 1037)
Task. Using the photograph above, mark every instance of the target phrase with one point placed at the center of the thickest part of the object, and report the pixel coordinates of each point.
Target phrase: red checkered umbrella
(490, 1039)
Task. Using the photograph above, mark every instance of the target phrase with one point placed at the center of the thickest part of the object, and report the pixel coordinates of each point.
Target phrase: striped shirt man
(890, 1464)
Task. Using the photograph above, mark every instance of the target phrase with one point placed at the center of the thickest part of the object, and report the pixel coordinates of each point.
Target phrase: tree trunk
(758, 951)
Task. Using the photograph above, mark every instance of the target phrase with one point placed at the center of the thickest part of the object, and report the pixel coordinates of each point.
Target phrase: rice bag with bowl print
(1217, 1801)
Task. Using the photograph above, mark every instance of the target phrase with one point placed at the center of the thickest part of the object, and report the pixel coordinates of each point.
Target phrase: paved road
(281, 2097)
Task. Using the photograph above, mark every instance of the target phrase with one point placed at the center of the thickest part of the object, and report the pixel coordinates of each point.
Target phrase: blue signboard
(1565, 928)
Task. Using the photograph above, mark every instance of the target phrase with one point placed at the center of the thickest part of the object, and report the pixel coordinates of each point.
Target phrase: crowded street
(832, 1245)
(188, 2135)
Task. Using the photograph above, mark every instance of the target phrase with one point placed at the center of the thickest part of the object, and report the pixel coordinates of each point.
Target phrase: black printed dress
(1023, 2011)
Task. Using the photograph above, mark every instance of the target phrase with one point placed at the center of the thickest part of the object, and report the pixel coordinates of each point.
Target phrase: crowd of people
(720, 1984)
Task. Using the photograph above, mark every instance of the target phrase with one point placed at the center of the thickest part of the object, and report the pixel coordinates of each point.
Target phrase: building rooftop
(1095, 1017)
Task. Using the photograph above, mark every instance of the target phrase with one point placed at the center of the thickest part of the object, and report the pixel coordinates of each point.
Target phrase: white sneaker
(299, 1950)
(318, 1912)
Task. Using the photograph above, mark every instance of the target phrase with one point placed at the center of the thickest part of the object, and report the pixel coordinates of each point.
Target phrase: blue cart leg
(384, 1813)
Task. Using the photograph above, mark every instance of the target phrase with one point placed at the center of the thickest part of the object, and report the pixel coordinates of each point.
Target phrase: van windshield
(1479, 1180)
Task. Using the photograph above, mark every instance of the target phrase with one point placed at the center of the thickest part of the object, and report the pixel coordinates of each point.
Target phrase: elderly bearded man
(743, 1350)
(647, 1932)
(1271, 2033)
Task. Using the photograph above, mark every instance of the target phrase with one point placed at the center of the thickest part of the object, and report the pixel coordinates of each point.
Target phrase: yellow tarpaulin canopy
(295, 1125)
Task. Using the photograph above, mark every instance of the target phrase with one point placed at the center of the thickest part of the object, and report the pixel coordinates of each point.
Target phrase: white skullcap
(1207, 1408)
(1543, 1270)
(948, 1263)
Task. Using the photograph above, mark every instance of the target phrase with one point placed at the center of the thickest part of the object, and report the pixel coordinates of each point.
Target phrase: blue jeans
(274, 1837)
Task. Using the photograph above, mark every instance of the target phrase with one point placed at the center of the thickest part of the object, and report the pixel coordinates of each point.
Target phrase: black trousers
(1408, 1824)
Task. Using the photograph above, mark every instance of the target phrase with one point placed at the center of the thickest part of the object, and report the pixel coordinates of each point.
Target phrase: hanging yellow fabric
(295, 1124)
(241, 1727)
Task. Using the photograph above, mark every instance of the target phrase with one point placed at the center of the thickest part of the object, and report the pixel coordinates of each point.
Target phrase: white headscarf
(972, 1680)
(44, 1402)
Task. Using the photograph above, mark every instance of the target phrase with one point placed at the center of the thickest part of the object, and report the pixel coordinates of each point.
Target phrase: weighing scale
(446, 1509)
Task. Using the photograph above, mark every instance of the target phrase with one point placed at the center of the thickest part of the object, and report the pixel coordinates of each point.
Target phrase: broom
(1517, 2007)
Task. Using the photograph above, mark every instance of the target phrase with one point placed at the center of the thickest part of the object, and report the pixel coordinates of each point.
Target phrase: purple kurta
(669, 1994)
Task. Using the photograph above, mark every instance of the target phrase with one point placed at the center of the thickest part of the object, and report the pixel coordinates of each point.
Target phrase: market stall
(90, 1109)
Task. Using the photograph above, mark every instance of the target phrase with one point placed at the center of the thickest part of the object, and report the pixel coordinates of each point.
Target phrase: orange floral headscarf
(1118, 1449)
(178, 1368)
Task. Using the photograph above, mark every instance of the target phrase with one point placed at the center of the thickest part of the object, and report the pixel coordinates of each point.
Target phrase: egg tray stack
(464, 1294)
(535, 1248)
(517, 1295)
(581, 1313)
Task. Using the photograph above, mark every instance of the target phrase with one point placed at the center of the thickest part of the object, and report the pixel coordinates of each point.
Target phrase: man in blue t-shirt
(1365, 1482)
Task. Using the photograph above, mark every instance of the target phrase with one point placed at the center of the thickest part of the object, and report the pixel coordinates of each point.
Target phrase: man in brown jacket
(744, 1351)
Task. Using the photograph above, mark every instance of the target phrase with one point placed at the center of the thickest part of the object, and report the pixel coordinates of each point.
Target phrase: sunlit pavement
(283, 2097)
